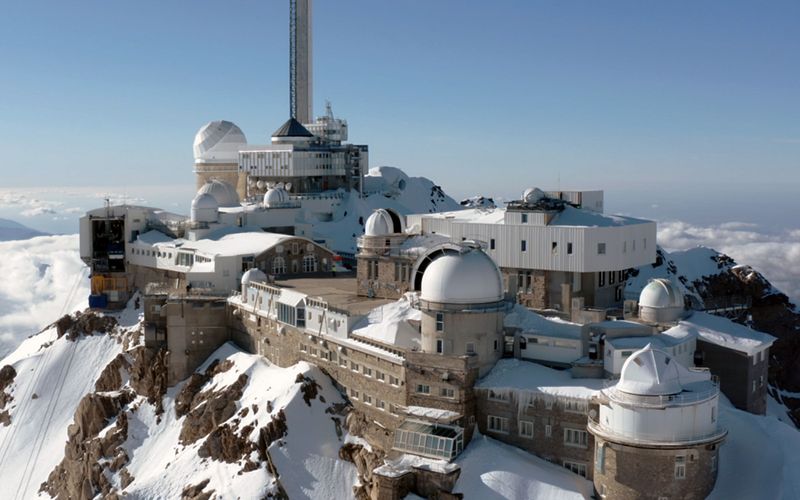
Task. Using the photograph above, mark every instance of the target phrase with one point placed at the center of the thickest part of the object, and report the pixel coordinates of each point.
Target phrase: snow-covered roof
(516, 374)
(421, 243)
(226, 243)
(724, 332)
(570, 216)
(668, 338)
(470, 277)
(530, 322)
(389, 324)
(429, 413)
(153, 237)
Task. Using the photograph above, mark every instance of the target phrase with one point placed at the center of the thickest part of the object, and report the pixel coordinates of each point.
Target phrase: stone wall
(542, 413)
(293, 252)
(196, 327)
(384, 285)
(628, 472)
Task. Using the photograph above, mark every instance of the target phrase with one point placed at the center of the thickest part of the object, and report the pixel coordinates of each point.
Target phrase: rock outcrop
(7, 375)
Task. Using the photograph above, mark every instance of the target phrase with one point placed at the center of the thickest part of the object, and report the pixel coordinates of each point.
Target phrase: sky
(636, 96)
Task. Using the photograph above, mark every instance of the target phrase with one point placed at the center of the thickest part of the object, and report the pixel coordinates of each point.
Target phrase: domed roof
(383, 222)
(650, 372)
(253, 275)
(224, 193)
(532, 195)
(275, 197)
(204, 201)
(468, 277)
(661, 294)
(219, 140)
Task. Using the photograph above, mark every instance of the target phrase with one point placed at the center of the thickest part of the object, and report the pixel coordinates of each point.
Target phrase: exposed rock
(224, 444)
(111, 379)
(7, 375)
(183, 401)
(86, 323)
(270, 433)
(195, 492)
(310, 388)
(210, 409)
(365, 461)
(149, 375)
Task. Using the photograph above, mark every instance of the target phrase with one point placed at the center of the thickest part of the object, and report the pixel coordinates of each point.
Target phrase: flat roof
(338, 291)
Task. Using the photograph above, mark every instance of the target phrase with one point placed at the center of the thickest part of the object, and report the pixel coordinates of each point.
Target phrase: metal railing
(645, 438)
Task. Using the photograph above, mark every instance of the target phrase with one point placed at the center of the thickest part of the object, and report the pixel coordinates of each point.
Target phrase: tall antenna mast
(300, 68)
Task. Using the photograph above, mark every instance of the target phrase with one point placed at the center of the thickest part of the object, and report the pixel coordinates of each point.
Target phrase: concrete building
(657, 433)
(554, 254)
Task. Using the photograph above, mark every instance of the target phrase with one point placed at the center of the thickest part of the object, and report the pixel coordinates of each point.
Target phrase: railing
(645, 438)
(657, 401)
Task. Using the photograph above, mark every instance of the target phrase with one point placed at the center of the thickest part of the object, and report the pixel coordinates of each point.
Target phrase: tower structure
(300, 67)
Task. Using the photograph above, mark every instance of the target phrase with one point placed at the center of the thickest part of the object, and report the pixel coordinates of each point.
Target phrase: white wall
(556, 350)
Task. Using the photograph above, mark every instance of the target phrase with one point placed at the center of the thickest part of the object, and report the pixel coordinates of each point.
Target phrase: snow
(758, 459)
(516, 374)
(398, 466)
(59, 374)
(570, 216)
(229, 242)
(530, 322)
(419, 244)
(723, 332)
(389, 324)
(494, 470)
(435, 414)
(43, 278)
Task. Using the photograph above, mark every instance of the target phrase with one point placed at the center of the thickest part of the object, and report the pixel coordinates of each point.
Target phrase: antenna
(300, 69)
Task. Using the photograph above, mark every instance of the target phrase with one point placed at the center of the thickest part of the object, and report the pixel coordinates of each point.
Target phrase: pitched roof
(292, 128)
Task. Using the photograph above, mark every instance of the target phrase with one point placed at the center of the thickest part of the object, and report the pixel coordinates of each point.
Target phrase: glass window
(569, 248)
(680, 467)
(423, 389)
(440, 346)
(524, 218)
(526, 428)
(523, 246)
(601, 249)
(491, 244)
(498, 424)
(439, 322)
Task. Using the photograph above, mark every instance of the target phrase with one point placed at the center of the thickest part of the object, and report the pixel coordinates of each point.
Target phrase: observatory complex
(434, 323)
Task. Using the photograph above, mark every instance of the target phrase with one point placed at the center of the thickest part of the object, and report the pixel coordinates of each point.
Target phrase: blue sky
(481, 97)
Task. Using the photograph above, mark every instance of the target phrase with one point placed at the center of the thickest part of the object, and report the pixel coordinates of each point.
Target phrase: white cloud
(776, 256)
(42, 278)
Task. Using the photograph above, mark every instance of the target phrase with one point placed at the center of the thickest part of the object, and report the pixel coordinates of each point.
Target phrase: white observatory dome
(470, 277)
(661, 301)
(253, 275)
(204, 208)
(276, 197)
(532, 195)
(224, 193)
(218, 141)
(383, 222)
(650, 372)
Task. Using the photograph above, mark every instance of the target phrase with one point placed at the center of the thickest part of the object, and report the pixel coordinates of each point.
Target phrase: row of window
(572, 437)
(612, 276)
(571, 405)
(443, 392)
(309, 265)
(368, 399)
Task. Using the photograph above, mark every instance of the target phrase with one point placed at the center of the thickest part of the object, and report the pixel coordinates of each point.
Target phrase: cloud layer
(776, 256)
(43, 278)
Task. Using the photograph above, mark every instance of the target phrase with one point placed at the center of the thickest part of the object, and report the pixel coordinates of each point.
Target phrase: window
(447, 392)
(680, 467)
(495, 345)
(401, 272)
(618, 293)
(526, 428)
(366, 370)
(569, 248)
(612, 277)
(548, 403)
(621, 276)
(309, 264)
(423, 389)
(495, 395)
(354, 366)
(439, 322)
(524, 218)
(576, 438)
(523, 343)
(380, 404)
(368, 399)
(354, 393)
(576, 467)
(498, 424)
(554, 248)
(713, 414)
(470, 347)
(575, 406)
(394, 380)
(380, 376)
(601, 249)
(600, 458)
(548, 427)
(625, 354)
(372, 269)
(343, 361)
(440, 346)
(601, 279)
(523, 246)
(491, 244)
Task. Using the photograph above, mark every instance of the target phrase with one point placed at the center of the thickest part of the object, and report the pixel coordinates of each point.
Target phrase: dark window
(554, 248)
(601, 276)
(491, 244)
(524, 218)
(569, 248)
(523, 245)
(611, 277)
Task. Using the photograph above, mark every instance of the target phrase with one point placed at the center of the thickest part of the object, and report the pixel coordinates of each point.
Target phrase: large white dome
(219, 141)
(470, 277)
(383, 222)
(253, 275)
(204, 208)
(276, 197)
(650, 372)
(224, 193)
(661, 293)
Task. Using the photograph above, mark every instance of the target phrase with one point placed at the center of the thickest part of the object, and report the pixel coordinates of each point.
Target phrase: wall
(737, 373)
(645, 473)
(196, 327)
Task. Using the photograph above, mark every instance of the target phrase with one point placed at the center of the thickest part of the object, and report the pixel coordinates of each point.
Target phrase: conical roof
(292, 128)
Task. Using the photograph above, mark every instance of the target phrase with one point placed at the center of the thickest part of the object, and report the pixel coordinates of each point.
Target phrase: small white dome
(224, 193)
(275, 197)
(253, 275)
(661, 293)
(470, 277)
(219, 141)
(383, 222)
(650, 372)
(204, 208)
(532, 195)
